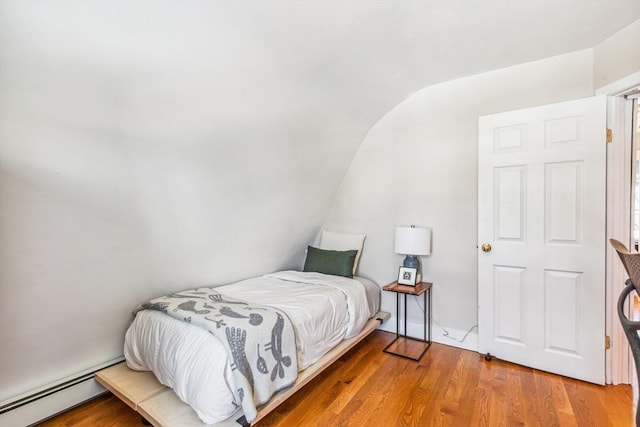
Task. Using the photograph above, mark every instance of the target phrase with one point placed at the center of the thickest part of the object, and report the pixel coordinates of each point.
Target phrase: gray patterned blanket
(259, 340)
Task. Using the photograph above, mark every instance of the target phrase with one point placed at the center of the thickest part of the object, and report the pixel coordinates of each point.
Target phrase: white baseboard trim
(438, 334)
(51, 399)
(51, 405)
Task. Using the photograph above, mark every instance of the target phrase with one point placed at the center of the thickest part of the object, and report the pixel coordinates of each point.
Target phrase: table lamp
(413, 241)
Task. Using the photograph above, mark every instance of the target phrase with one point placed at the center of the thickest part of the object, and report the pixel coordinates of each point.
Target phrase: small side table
(402, 344)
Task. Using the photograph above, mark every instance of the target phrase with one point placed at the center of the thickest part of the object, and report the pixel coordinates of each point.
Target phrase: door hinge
(607, 342)
(609, 136)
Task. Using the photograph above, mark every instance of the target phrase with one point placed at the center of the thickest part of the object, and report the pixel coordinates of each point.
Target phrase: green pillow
(338, 263)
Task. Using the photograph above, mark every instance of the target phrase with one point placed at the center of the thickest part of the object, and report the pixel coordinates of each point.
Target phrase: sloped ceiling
(344, 63)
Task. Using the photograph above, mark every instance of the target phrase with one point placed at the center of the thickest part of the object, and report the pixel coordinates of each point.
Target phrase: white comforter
(324, 310)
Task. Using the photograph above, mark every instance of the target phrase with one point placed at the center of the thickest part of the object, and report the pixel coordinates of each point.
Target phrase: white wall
(418, 165)
(617, 57)
(138, 159)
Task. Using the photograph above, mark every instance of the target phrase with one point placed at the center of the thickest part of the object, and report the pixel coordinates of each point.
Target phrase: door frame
(618, 361)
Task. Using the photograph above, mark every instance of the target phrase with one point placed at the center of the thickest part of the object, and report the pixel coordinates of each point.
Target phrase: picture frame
(407, 276)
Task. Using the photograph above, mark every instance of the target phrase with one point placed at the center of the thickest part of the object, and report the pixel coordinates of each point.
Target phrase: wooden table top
(418, 289)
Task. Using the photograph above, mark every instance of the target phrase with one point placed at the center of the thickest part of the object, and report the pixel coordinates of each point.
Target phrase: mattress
(323, 309)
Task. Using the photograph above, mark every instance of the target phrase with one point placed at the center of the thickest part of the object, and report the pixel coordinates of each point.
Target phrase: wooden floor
(448, 387)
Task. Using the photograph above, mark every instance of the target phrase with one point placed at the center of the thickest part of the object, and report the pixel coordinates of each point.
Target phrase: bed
(328, 310)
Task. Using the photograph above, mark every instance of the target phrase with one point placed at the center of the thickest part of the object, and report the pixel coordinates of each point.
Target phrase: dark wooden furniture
(404, 345)
(631, 329)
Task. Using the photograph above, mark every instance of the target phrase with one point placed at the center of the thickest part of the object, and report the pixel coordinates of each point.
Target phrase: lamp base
(411, 261)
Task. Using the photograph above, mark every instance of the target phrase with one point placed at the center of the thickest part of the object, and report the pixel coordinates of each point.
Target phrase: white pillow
(333, 241)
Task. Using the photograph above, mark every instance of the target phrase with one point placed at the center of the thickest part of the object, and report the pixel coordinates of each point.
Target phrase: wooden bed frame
(160, 406)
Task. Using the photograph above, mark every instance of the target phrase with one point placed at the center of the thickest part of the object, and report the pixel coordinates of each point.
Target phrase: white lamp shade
(413, 240)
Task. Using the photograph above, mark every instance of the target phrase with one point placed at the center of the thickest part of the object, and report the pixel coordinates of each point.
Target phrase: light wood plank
(166, 409)
(132, 387)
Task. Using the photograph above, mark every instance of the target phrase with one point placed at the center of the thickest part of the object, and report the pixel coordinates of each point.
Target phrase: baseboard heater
(45, 402)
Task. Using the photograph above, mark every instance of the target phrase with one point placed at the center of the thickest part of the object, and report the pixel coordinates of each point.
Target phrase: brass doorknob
(486, 247)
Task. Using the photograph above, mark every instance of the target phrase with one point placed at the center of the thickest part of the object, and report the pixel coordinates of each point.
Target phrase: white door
(541, 197)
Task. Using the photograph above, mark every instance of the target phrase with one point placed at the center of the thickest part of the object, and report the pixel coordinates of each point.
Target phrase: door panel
(510, 307)
(541, 177)
(563, 216)
(509, 199)
(562, 294)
